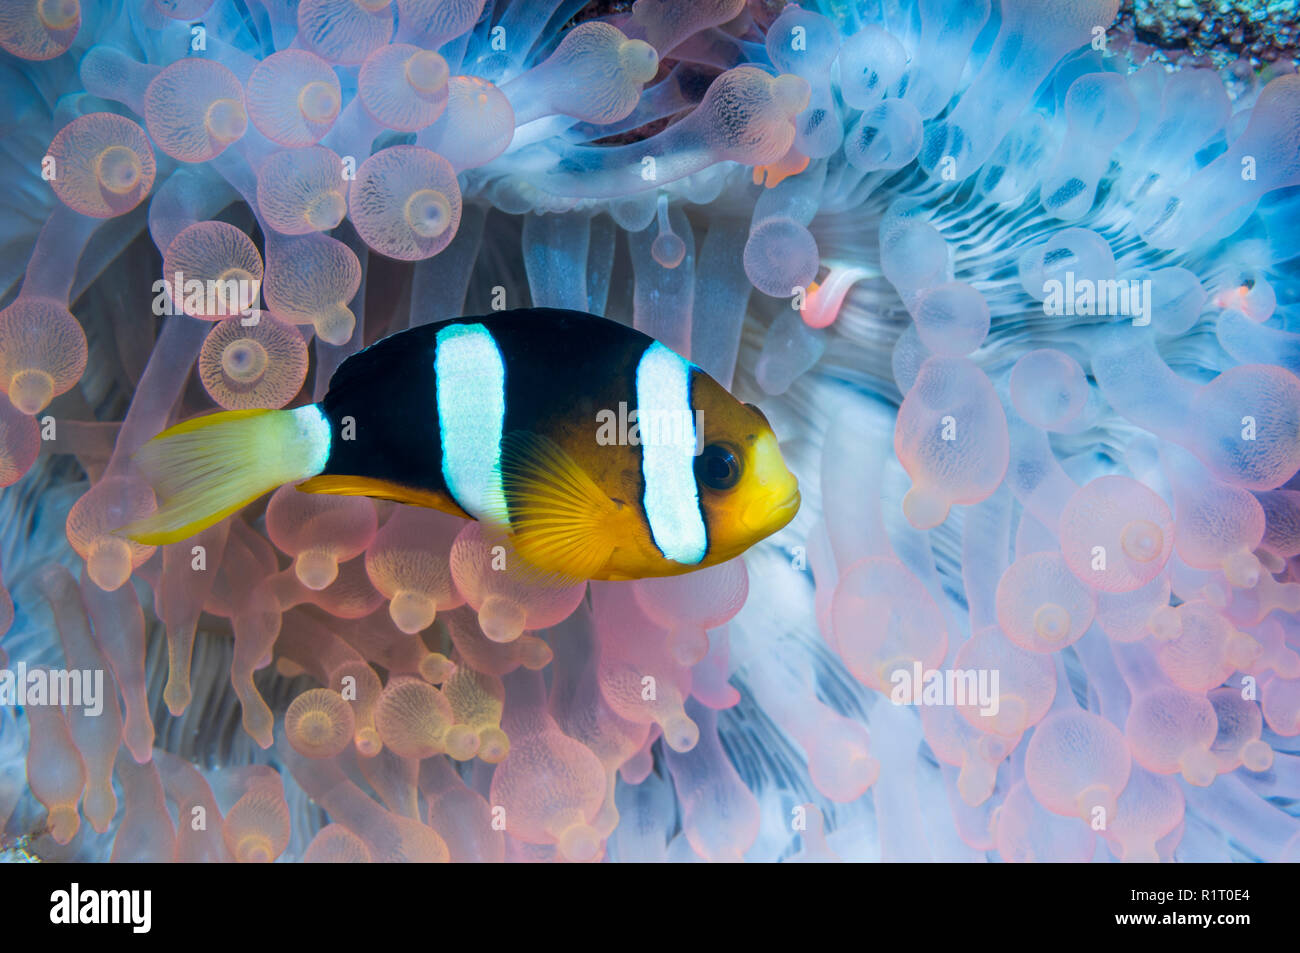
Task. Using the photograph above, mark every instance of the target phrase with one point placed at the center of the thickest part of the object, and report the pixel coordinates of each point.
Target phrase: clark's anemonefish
(602, 453)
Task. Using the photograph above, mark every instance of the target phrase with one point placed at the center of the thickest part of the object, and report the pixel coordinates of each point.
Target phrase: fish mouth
(789, 507)
(767, 518)
(791, 502)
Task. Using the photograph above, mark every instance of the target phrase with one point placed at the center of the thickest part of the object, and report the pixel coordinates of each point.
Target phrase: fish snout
(774, 509)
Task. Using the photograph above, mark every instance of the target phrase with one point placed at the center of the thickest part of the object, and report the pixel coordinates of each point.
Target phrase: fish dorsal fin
(561, 521)
(377, 360)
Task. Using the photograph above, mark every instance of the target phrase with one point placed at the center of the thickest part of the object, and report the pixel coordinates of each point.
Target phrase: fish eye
(717, 467)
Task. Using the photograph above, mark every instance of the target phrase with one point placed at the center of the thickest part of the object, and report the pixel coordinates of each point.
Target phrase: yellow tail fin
(204, 469)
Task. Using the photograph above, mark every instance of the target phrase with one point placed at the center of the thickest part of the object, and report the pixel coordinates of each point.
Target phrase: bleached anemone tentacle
(1016, 292)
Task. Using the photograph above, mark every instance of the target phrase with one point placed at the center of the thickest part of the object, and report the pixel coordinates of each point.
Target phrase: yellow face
(746, 491)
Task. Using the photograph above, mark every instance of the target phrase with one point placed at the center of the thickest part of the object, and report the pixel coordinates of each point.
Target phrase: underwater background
(1017, 284)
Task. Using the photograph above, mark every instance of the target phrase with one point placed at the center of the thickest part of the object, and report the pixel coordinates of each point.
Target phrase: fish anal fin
(343, 485)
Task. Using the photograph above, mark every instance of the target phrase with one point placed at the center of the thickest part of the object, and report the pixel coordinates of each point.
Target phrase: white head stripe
(671, 501)
(470, 381)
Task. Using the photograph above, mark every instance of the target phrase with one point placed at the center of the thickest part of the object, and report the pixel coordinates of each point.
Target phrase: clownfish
(601, 453)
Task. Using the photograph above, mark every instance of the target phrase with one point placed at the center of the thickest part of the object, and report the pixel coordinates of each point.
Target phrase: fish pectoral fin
(561, 521)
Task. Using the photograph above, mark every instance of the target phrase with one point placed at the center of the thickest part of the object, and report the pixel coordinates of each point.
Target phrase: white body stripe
(313, 436)
(671, 501)
(470, 380)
